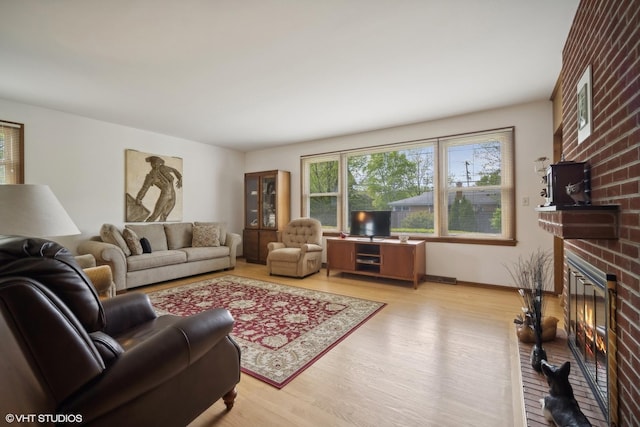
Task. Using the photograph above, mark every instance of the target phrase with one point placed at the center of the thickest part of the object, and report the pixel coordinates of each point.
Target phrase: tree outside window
(378, 181)
(323, 180)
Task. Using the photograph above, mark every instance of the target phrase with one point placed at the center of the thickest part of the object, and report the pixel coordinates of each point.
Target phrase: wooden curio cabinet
(266, 211)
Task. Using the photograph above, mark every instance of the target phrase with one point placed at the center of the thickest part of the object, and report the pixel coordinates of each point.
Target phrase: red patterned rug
(281, 329)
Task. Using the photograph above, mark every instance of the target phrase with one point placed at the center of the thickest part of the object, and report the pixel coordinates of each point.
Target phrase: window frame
(507, 235)
(306, 195)
(18, 163)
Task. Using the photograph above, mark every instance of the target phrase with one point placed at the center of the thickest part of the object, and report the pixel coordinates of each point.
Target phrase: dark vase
(537, 356)
(537, 353)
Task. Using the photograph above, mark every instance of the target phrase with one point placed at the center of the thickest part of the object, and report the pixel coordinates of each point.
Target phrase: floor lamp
(32, 210)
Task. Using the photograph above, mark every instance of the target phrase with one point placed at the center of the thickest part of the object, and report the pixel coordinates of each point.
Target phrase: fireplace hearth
(592, 330)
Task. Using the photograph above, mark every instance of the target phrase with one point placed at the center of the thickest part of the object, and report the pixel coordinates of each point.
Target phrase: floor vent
(442, 279)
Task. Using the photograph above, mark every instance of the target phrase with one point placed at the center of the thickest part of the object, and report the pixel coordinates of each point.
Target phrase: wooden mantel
(580, 222)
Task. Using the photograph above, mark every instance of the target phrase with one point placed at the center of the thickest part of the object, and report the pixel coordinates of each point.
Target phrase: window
(322, 192)
(400, 180)
(457, 188)
(11, 153)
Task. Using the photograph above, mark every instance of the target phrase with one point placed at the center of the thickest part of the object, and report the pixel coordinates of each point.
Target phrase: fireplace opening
(592, 335)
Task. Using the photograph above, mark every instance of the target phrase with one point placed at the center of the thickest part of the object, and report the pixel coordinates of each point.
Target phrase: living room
(83, 160)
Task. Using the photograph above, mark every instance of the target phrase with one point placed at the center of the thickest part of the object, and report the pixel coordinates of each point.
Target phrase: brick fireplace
(605, 35)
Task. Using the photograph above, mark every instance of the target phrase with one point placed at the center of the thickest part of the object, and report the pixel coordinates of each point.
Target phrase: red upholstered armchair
(65, 353)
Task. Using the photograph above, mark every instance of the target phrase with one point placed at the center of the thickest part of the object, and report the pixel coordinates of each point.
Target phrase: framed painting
(153, 187)
(585, 118)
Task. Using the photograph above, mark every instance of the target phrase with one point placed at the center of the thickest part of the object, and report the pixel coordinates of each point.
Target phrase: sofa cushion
(154, 233)
(285, 254)
(109, 233)
(155, 259)
(221, 225)
(197, 254)
(133, 241)
(179, 235)
(206, 235)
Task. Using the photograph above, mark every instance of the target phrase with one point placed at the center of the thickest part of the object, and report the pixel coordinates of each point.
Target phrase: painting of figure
(583, 107)
(584, 93)
(153, 187)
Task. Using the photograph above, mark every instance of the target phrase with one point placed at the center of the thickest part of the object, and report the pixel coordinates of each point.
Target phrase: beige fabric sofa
(176, 250)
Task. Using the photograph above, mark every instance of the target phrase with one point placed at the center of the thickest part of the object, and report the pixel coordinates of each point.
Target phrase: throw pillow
(133, 241)
(146, 246)
(110, 234)
(205, 236)
(223, 230)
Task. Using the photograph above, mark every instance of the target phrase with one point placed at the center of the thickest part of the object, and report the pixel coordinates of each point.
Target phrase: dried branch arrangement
(529, 274)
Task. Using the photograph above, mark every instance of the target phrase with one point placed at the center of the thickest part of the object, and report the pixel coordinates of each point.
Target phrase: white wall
(472, 263)
(82, 160)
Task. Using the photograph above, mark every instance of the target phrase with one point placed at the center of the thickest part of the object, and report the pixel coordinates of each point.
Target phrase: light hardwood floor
(441, 355)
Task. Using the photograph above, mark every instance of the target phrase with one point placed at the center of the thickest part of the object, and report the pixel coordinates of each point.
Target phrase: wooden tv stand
(387, 258)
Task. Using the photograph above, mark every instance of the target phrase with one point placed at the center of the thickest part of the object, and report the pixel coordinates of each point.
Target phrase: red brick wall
(606, 35)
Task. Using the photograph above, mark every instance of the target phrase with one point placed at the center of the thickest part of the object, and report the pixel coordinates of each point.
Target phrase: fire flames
(594, 337)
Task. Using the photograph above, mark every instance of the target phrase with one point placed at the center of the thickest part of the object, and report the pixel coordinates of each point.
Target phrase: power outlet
(525, 201)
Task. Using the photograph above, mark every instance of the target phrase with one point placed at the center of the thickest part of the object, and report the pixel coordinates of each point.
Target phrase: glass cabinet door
(251, 202)
(269, 201)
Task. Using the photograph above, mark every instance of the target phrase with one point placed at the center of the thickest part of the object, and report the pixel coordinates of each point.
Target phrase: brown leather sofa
(66, 356)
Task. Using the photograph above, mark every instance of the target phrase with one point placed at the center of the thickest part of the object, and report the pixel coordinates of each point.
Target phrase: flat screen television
(370, 224)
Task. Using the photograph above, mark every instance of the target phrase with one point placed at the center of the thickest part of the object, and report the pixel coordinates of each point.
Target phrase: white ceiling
(249, 74)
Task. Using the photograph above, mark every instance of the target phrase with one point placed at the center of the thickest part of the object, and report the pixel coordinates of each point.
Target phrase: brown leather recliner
(65, 356)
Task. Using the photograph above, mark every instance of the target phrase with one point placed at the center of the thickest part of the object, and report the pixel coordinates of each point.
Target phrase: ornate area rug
(281, 329)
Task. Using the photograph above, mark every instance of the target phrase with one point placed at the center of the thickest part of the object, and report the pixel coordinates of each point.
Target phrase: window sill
(460, 240)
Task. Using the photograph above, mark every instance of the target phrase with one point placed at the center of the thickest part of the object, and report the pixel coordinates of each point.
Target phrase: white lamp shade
(33, 211)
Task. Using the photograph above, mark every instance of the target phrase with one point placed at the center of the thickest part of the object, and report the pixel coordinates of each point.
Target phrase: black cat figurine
(559, 405)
